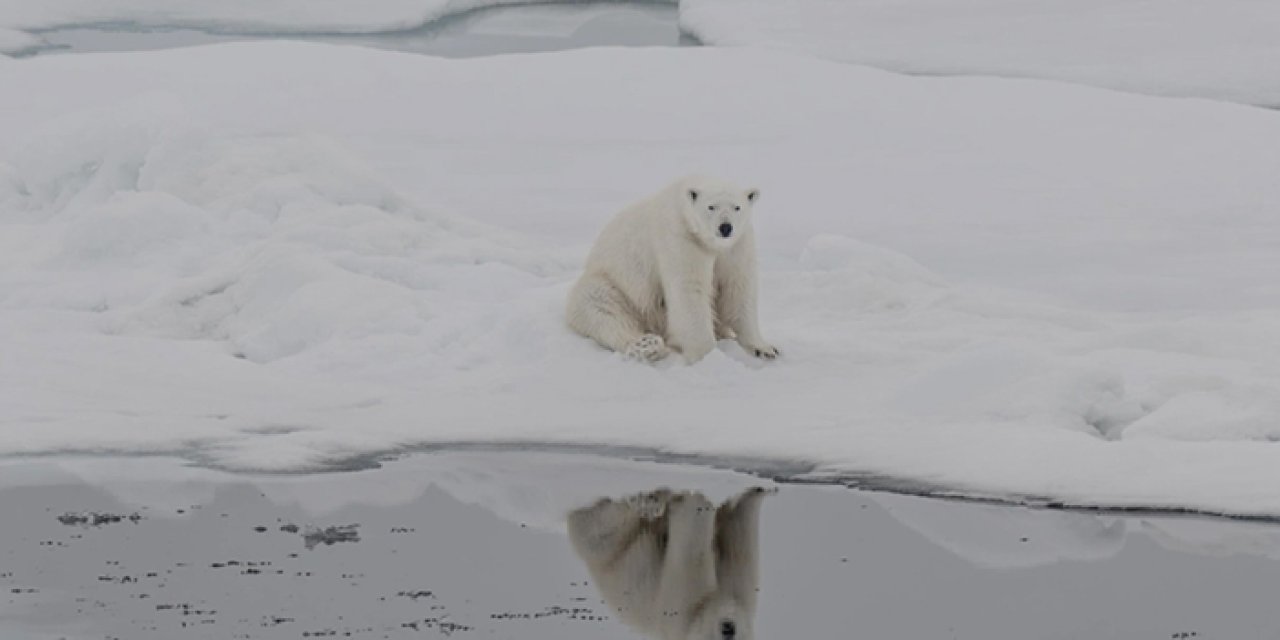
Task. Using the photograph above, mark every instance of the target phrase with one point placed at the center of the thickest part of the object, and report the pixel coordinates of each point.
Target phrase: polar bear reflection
(673, 565)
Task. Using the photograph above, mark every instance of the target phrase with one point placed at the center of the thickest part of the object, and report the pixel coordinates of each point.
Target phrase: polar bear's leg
(688, 288)
(599, 311)
(737, 546)
(688, 570)
(736, 298)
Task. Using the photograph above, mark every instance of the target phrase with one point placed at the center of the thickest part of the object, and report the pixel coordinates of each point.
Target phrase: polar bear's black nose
(728, 630)
(726, 230)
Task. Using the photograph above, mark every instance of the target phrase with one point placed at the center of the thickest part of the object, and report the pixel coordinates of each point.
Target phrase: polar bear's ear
(693, 195)
(753, 195)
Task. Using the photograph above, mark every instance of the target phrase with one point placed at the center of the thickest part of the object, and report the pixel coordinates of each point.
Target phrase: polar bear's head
(718, 214)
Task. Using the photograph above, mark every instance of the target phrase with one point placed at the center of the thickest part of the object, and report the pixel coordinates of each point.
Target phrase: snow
(991, 287)
(1224, 50)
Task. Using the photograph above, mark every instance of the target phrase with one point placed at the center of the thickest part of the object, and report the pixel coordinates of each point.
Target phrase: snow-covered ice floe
(277, 256)
(1226, 50)
(1223, 50)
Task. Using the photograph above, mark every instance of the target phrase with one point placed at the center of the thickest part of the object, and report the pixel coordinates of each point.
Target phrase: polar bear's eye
(737, 208)
(711, 207)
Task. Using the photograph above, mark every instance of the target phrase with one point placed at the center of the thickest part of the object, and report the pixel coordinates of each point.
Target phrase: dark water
(489, 31)
(474, 545)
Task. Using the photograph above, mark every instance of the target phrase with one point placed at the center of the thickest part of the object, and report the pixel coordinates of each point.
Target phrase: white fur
(661, 276)
(672, 565)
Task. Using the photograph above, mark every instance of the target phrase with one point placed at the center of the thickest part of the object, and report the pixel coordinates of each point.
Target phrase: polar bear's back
(626, 252)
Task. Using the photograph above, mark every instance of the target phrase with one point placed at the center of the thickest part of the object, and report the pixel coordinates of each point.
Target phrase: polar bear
(672, 565)
(675, 271)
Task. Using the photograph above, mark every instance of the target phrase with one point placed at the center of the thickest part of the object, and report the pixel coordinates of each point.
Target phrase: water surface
(474, 545)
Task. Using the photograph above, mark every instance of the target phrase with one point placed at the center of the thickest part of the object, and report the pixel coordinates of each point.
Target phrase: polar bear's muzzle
(728, 630)
(725, 229)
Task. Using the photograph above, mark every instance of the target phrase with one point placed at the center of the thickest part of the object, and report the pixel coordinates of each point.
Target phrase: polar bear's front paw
(647, 348)
(763, 351)
(723, 332)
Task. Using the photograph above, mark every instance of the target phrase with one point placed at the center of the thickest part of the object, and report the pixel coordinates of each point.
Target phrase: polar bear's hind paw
(652, 505)
(647, 348)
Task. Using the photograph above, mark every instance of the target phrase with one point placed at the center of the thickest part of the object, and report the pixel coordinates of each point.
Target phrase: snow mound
(1226, 50)
(273, 246)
